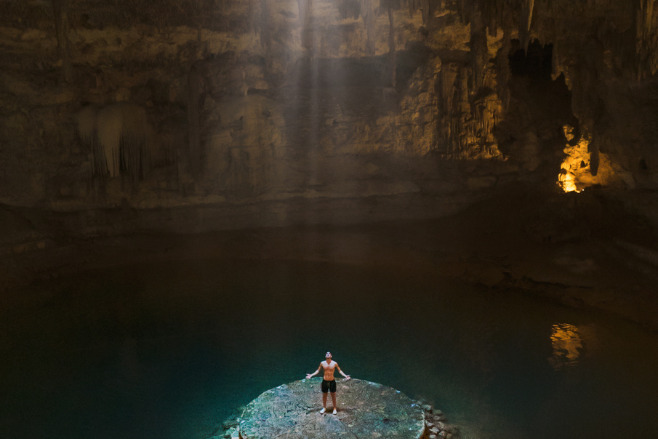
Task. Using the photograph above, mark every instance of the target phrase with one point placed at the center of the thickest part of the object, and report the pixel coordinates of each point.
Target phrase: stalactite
(266, 25)
(304, 8)
(412, 6)
(479, 49)
(369, 19)
(646, 42)
(391, 46)
(526, 22)
(503, 71)
(60, 9)
(646, 10)
(193, 120)
(426, 6)
(88, 132)
(308, 33)
(594, 151)
(446, 105)
(110, 127)
(349, 8)
(555, 62)
(86, 123)
(531, 7)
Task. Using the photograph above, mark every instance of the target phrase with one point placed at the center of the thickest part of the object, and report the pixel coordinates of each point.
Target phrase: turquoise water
(170, 350)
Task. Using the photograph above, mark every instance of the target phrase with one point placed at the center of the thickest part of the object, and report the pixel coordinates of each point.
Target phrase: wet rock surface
(365, 409)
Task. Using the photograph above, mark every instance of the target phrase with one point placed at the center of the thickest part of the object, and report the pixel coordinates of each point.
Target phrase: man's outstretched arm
(309, 375)
(347, 377)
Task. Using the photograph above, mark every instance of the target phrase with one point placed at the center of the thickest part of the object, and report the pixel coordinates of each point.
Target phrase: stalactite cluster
(117, 135)
(596, 46)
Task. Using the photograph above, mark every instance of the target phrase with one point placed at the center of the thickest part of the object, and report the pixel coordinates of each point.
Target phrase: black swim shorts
(329, 386)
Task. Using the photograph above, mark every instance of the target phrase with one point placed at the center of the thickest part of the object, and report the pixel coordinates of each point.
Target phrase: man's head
(328, 356)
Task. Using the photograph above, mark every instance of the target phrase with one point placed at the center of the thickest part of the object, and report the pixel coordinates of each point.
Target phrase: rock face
(212, 102)
(366, 409)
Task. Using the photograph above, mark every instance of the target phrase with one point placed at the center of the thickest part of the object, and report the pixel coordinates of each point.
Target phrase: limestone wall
(192, 102)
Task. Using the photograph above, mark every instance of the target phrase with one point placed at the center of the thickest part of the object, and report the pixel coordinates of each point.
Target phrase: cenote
(171, 349)
(199, 198)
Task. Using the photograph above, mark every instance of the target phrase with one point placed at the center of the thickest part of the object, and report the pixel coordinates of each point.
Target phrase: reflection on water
(567, 345)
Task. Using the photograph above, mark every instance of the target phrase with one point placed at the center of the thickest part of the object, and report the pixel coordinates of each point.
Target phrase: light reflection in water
(567, 345)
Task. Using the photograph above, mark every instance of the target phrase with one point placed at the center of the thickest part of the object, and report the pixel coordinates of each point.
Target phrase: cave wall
(193, 102)
(606, 52)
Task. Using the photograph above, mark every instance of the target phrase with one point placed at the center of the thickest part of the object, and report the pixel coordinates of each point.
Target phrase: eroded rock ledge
(366, 410)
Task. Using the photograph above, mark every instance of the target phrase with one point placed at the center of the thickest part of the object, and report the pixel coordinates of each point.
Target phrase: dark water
(170, 350)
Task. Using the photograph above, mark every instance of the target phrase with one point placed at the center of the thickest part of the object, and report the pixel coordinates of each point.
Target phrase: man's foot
(323, 410)
(335, 412)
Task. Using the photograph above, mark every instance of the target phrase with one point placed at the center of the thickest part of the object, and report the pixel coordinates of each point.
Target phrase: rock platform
(365, 410)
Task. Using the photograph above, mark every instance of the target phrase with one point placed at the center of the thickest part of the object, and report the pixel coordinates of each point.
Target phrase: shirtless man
(328, 381)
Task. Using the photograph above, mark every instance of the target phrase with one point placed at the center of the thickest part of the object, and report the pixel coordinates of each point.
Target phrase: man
(328, 381)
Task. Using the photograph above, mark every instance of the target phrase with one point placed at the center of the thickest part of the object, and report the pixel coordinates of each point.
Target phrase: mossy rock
(365, 410)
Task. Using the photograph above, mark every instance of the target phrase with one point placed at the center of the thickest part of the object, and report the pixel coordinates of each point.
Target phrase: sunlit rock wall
(190, 102)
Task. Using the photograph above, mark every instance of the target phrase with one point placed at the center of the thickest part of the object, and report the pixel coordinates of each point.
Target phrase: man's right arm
(309, 375)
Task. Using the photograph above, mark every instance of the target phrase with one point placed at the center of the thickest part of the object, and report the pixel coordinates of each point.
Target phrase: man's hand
(308, 376)
(347, 377)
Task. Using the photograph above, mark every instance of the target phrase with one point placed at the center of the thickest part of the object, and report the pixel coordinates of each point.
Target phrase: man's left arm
(347, 377)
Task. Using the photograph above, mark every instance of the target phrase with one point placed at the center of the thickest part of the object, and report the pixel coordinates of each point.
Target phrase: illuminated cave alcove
(549, 102)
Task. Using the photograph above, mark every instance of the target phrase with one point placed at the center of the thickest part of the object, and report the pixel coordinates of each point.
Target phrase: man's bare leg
(324, 402)
(333, 399)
